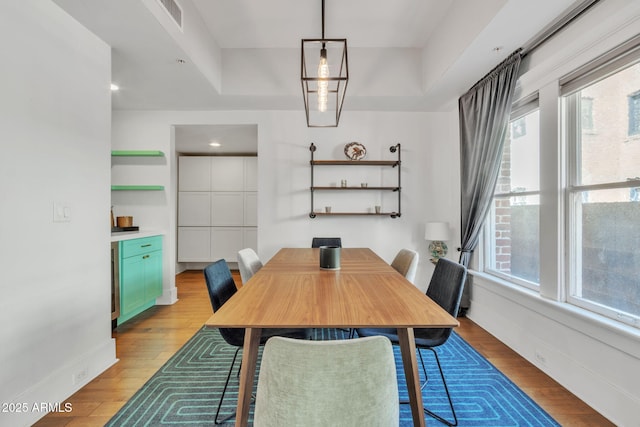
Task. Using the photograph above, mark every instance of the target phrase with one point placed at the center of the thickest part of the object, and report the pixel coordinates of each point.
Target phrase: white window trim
(573, 280)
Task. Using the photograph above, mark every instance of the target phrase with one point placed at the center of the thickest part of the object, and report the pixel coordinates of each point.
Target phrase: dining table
(292, 291)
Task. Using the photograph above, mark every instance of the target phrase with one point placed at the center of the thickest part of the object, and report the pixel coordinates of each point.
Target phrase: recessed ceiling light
(214, 144)
(114, 87)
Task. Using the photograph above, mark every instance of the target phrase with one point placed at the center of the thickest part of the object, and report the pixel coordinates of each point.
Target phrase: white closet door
(194, 208)
(225, 243)
(250, 174)
(194, 244)
(251, 209)
(227, 208)
(194, 173)
(250, 238)
(227, 173)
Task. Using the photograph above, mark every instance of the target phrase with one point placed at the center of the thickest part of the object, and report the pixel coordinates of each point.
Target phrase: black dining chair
(222, 287)
(445, 288)
(316, 242)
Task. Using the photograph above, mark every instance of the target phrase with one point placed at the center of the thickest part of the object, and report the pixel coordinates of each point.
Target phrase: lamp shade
(436, 231)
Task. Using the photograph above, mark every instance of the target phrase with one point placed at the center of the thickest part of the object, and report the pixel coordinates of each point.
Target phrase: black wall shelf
(391, 163)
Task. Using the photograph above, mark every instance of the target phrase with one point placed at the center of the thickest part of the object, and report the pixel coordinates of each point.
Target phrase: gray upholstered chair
(327, 383)
(316, 242)
(445, 288)
(406, 263)
(249, 263)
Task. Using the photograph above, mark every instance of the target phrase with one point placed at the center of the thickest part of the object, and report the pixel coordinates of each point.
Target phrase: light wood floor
(146, 342)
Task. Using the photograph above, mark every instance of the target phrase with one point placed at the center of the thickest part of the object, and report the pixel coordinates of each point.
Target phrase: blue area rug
(186, 390)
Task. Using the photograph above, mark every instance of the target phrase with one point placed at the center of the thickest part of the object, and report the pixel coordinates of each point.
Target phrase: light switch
(61, 212)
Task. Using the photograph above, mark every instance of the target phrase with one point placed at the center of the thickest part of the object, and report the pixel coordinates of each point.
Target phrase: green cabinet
(140, 275)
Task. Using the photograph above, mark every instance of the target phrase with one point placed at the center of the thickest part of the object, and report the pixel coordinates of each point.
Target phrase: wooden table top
(292, 291)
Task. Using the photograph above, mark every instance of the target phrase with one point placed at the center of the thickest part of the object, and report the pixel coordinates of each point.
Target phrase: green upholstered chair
(327, 383)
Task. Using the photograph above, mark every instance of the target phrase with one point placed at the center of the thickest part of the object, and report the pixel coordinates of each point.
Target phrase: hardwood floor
(146, 342)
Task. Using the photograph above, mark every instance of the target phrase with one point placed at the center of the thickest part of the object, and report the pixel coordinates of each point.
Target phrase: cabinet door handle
(145, 257)
(145, 246)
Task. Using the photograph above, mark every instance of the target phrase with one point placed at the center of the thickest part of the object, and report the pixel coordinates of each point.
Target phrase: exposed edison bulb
(323, 84)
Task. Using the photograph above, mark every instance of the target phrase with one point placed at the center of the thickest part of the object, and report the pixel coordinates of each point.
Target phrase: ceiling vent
(174, 10)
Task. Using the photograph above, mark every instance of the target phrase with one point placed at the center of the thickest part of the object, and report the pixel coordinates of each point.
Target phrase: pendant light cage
(335, 53)
(324, 73)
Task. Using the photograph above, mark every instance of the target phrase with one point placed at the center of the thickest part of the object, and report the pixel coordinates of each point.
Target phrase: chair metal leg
(224, 390)
(424, 370)
(446, 389)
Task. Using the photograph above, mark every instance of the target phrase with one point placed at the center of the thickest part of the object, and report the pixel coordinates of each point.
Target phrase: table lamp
(437, 233)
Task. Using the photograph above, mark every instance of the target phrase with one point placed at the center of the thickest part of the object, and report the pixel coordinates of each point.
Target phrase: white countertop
(128, 235)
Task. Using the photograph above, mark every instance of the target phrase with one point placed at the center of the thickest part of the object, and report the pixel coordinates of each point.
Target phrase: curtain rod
(557, 25)
(549, 31)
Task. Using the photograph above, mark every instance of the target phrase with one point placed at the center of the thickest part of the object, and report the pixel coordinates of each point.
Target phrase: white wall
(595, 358)
(284, 175)
(55, 119)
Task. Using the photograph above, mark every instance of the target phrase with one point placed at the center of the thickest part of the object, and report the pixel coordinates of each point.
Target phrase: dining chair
(248, 263)
(327, 383)
(406, 263)
(316, 242)
(445, 289)
(221, 288)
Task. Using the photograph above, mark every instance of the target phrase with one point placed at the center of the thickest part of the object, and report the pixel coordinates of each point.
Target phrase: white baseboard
(168, 297)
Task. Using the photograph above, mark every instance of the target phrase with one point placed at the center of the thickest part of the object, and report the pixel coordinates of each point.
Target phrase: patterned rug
(186, 390)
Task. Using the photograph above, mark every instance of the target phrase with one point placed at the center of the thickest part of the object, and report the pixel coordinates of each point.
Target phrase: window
(634, 193)
(602, 193)
(518, 128)
(513, 226)
(634, 114)
(587, 114)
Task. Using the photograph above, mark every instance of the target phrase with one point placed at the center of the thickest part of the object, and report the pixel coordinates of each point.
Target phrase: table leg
(247, 374)
(410, 363)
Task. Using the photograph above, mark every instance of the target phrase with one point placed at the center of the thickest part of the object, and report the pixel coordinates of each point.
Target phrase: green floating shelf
(137, 153)
(137, 187)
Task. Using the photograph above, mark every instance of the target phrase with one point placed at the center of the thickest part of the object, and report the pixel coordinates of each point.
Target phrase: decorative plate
(355, 151)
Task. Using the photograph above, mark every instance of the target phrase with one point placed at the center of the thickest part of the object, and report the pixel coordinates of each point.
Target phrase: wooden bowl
(125, 221)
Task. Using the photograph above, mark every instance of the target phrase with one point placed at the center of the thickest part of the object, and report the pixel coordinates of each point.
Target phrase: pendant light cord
(323, 45)
(323, 19)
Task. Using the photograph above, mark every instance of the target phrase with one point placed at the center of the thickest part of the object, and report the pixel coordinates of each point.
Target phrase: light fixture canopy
(324, 74)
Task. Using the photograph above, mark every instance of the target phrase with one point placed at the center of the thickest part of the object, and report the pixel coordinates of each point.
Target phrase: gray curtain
(484, 116)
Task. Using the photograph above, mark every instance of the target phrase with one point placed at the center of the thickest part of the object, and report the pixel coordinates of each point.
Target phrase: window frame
(572, 117)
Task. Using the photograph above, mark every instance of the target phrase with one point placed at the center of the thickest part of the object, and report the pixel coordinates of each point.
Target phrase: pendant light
(324, 90)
